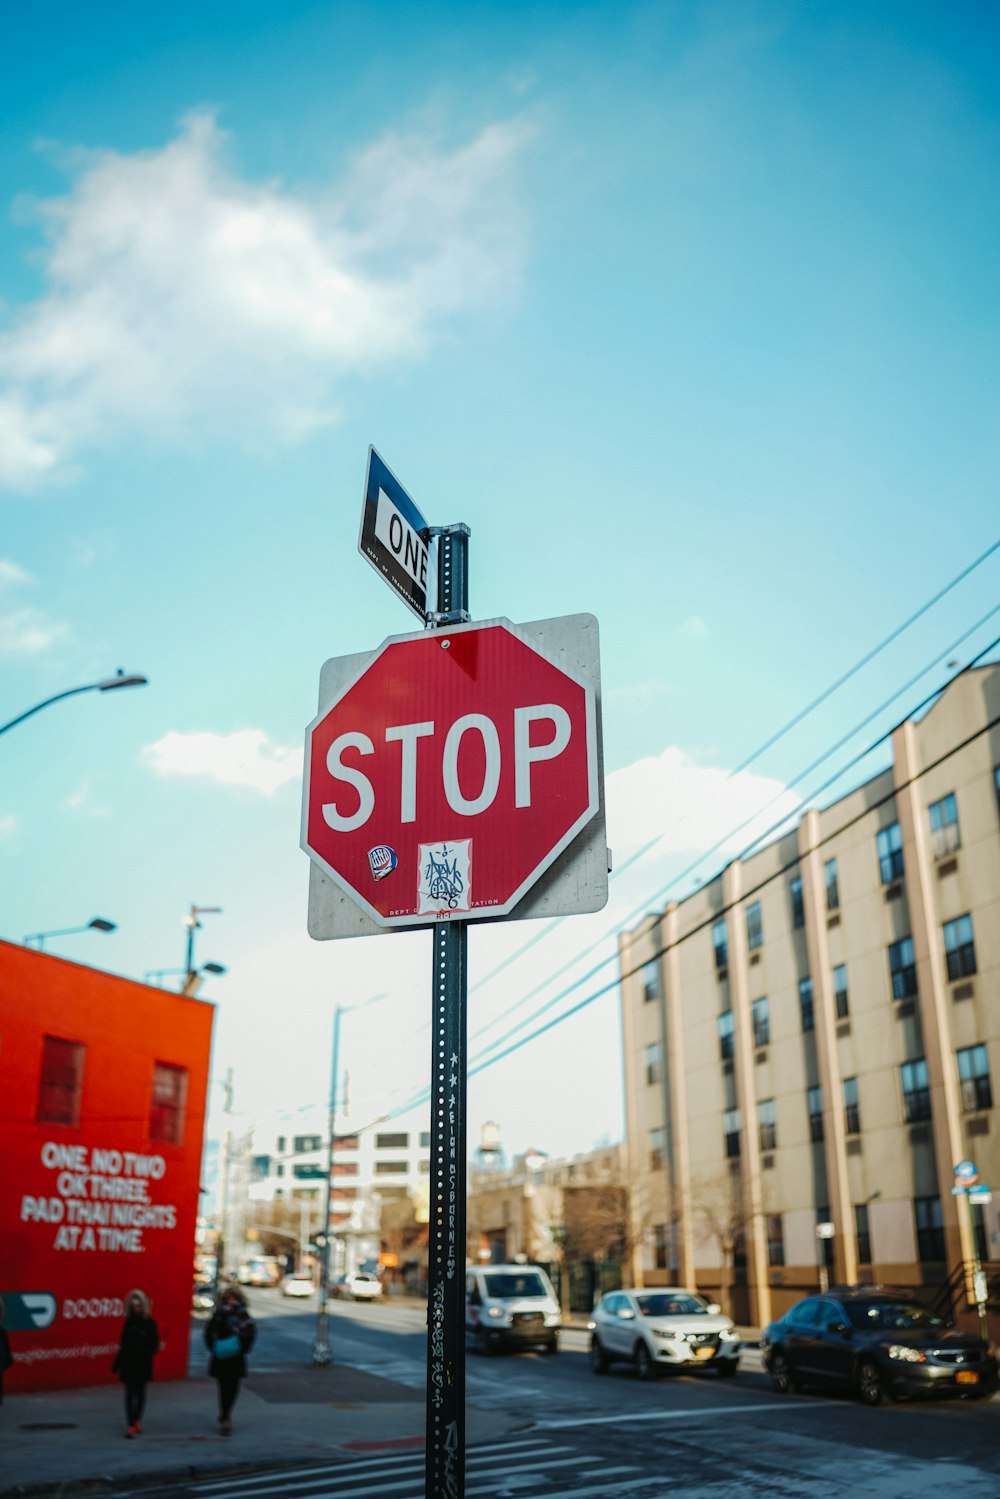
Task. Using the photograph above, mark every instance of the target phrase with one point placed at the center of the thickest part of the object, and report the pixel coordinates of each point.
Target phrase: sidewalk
(72, 1441)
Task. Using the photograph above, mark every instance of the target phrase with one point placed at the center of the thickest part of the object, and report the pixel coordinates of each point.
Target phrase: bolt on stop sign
(446, 776)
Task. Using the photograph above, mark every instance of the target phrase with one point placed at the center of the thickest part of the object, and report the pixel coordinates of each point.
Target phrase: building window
(720, 942)
(930, 1229)
(391, 1168)
(425, 1139)
(726, 1041)
(916, 1091)
(393, 1141)
(775, 1240)
(767, 1125)
(806, 1008)
(889, 845)
(651, 980)
(840, 1000)
(798, 905)
(280, 1145)
(862, 1233)
(731, 1130)
(832, 885)
(945, 837)
(902, 968)
(852, 1109)
(169, 1101)
(959, 948)
(301, 1144)
(761, 1024)
(345, 1142)
(60, 1086)
(755, 926)
(974, 1077)
(654, 1063)
(660, 1246)
(815, 1105)
(657, 1147)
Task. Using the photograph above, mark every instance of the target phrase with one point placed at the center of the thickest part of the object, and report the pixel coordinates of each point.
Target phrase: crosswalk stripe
(487, 1466)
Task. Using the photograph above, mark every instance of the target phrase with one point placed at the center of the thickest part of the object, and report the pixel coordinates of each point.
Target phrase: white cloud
(8, 827)
(83, 803)
(24, 631)
(691, 807)
(182, 298)
(245, 758)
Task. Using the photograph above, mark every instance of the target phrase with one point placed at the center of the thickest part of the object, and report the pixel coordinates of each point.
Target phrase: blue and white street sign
(394, 536)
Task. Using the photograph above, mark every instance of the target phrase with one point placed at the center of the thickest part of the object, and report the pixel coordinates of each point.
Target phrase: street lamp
(192, 923)
(98, 924)
(106, 684)
(321, 1349)
(162, 973)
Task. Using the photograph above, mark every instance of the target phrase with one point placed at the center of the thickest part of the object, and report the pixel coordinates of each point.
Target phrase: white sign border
(336, 909)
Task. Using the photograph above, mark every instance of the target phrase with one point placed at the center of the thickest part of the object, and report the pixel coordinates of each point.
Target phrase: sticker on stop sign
(449, 773)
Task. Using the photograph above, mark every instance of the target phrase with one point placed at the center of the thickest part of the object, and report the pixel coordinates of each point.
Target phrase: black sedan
(881, 1342)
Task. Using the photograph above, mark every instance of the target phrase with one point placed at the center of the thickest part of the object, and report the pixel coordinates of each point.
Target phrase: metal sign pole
(445, 1429)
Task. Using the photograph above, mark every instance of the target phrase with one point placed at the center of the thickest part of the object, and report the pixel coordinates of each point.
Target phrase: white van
(510, 1306)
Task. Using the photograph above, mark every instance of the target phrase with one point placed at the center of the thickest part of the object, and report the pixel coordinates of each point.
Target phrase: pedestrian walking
(229, 1336)
(6, 1357)
(133, 1363)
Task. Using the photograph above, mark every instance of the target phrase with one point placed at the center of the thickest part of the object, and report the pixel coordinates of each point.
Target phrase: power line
(739, 769)
(675, 880)
(488, 1061)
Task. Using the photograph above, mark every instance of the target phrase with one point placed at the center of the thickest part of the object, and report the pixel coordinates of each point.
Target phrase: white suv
(662, 1328)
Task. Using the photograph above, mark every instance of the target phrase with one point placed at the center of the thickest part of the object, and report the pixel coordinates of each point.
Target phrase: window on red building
(166, 1113)
(60, 1086)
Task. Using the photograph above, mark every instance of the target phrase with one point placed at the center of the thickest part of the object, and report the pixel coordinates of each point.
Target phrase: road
(585, 1435)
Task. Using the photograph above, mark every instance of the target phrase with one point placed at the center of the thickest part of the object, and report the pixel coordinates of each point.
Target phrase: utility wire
(745, 764)
(488, 1061)
(638, 911)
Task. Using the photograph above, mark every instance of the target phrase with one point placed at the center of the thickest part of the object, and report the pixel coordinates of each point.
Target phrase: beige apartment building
(811, 1039)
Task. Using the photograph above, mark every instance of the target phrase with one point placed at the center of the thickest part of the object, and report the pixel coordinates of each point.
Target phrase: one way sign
(394, 535)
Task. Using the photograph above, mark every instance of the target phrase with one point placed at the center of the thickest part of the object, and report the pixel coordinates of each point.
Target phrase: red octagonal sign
(447, 777)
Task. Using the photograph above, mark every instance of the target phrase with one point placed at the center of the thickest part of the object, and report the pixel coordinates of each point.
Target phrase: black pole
(445, 1430)
(445, 1436)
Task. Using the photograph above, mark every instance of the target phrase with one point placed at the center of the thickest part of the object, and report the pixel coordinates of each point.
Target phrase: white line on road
(722, 1412)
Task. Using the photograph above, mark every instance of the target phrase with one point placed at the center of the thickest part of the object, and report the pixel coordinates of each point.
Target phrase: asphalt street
(537, 1426)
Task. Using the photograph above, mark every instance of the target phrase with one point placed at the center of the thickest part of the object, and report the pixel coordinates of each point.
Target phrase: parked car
(203, 1296)
(880, 1342)
(511, 1306)
(299, 1284)
(361, 1286)
(662, 1329)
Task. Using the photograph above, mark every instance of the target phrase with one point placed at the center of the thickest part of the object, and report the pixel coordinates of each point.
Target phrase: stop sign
(446, 777)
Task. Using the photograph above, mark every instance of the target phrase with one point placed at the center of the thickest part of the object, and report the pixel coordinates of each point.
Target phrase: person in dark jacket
(133, 1363)
(229, 1336)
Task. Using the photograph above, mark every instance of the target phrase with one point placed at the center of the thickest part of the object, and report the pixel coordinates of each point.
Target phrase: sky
(688, 311)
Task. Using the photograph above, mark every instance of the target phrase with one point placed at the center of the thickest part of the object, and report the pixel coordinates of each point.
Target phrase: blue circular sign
(966, 1172)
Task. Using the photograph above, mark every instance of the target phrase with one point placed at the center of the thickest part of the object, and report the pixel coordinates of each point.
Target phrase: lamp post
(98, 924)
(192, 923)
(321, 1348)
(162, 973)
(106, 684)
